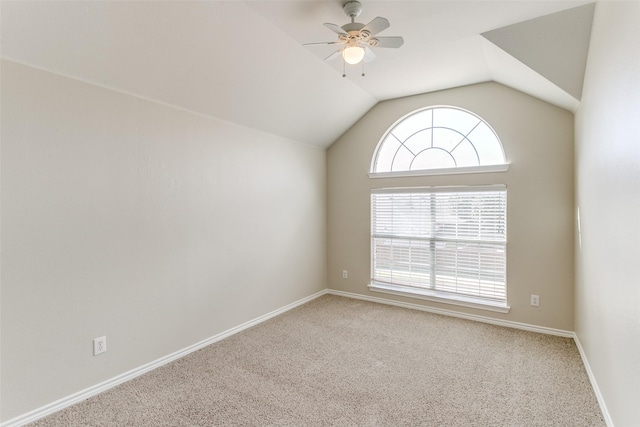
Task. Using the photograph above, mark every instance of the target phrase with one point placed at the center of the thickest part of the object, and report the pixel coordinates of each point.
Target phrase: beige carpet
(338, 361)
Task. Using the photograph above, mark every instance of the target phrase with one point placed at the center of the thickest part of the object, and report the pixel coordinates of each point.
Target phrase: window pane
(465, 154)
(405, 262)
(444, 242)
(446, 139)
(433, 158)
(402, 161)
(419, 141)
(473, 269)
(454, 118)
(487, 145)
(386, 152)
(464, 139)
(412, 124)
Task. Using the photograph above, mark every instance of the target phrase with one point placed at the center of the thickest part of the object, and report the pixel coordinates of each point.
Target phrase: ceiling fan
(357, 38)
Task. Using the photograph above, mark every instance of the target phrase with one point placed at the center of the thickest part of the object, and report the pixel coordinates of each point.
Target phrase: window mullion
(432, 242)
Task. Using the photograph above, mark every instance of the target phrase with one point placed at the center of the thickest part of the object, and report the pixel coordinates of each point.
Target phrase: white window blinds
(448, 241)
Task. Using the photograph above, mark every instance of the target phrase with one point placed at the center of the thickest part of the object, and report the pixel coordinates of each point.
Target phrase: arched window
(437, 140)
(446, 244)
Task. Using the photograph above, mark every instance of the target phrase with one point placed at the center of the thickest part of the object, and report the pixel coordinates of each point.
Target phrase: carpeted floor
(345, 362)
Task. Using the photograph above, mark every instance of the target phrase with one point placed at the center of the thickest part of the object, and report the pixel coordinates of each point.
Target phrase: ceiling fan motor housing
(354, 26)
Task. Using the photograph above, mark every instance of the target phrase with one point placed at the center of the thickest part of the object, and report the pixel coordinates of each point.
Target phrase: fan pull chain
(344, 69)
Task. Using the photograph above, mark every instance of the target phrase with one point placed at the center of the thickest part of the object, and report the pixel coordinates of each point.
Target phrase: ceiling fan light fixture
(352, 54)
(357, 39)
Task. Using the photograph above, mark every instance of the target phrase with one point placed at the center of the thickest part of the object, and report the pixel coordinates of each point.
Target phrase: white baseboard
(108, 384)
(594, 383)
(475, 317)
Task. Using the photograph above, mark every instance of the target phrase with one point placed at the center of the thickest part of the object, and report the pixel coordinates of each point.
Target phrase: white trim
(432, 296)
(99, 388)
(442, 171)
(56, 406)
(440, 189)
(475, 317)
(594, 383)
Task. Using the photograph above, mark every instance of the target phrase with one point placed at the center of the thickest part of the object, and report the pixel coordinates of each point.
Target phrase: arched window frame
(441, 171)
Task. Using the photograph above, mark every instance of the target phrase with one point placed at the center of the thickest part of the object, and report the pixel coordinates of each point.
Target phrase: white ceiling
(243, 61)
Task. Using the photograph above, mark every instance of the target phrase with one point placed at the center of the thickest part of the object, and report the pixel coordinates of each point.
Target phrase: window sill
(436, 296)
(447, 171)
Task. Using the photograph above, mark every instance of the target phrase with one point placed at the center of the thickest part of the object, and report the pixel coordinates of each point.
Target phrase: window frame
(434, 294)
(488, 168)
(443, 171)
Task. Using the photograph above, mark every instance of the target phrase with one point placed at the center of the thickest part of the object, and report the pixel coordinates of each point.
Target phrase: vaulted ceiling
(244, 61)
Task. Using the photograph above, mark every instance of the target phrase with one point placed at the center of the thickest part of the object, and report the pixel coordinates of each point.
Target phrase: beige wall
(538, 142)
(153, 226)
(608, 194)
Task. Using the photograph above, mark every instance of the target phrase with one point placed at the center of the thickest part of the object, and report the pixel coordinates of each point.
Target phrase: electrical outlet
(535, 300)
(99, 345)
(345, 274)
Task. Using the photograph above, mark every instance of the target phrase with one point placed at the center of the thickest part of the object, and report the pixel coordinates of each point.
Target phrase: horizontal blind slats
(451, 242)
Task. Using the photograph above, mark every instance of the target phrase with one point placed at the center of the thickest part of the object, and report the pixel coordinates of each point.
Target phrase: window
(438, 140)
(441, 243)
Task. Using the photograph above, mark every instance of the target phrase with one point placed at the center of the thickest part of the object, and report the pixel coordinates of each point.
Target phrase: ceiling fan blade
(336, 29)
(368, 54)
(394, 41)
(322, 43)
(376, 25)
(333, 55)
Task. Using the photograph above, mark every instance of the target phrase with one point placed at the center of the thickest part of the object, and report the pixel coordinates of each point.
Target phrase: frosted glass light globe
(353, 54)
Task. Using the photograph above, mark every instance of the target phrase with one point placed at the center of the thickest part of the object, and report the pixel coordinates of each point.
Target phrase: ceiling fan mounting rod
(352, 9)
